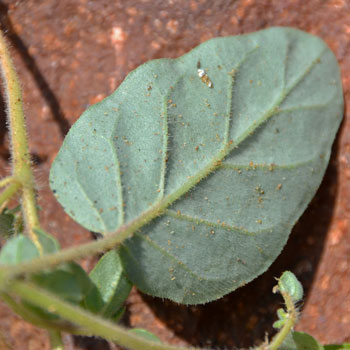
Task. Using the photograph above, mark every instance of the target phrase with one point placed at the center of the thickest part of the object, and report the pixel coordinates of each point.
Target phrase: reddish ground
(72, 53)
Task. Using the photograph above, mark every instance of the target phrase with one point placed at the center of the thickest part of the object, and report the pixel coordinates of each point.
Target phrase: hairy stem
(289, 324)
(93, 325)
(5, 181)
(21, 166)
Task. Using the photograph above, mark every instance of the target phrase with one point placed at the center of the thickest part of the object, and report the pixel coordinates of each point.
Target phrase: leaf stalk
(21, 162)
(288, 325)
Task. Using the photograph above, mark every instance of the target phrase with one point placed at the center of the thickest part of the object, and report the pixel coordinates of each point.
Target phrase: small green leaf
(18, 249)
(112, 287)
(48, 243)
(212, 178)
(305, 341)
(145, 334)
(282, 317)
(68, 281)
(289, 283)
(300, 341)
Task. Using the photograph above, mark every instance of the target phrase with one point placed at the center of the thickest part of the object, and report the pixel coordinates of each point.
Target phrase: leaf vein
(306, 107)
(91, 202)
(299, 79)
(165, 148)
(118, 181)
(181, 264)
(264, 166)
(200, 221)
(285, 67)
(274, 108)
(232, 74)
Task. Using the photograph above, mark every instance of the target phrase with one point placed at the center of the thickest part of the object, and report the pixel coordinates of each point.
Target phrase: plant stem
(56, 340)
(9, 192)
(289, 324)
(21, 166)
(94, 325)
(6, 180)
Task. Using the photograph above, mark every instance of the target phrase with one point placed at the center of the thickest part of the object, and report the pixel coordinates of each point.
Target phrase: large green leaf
(214, 178)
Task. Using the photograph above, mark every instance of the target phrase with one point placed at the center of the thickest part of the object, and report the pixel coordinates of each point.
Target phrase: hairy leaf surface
(213, 178)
